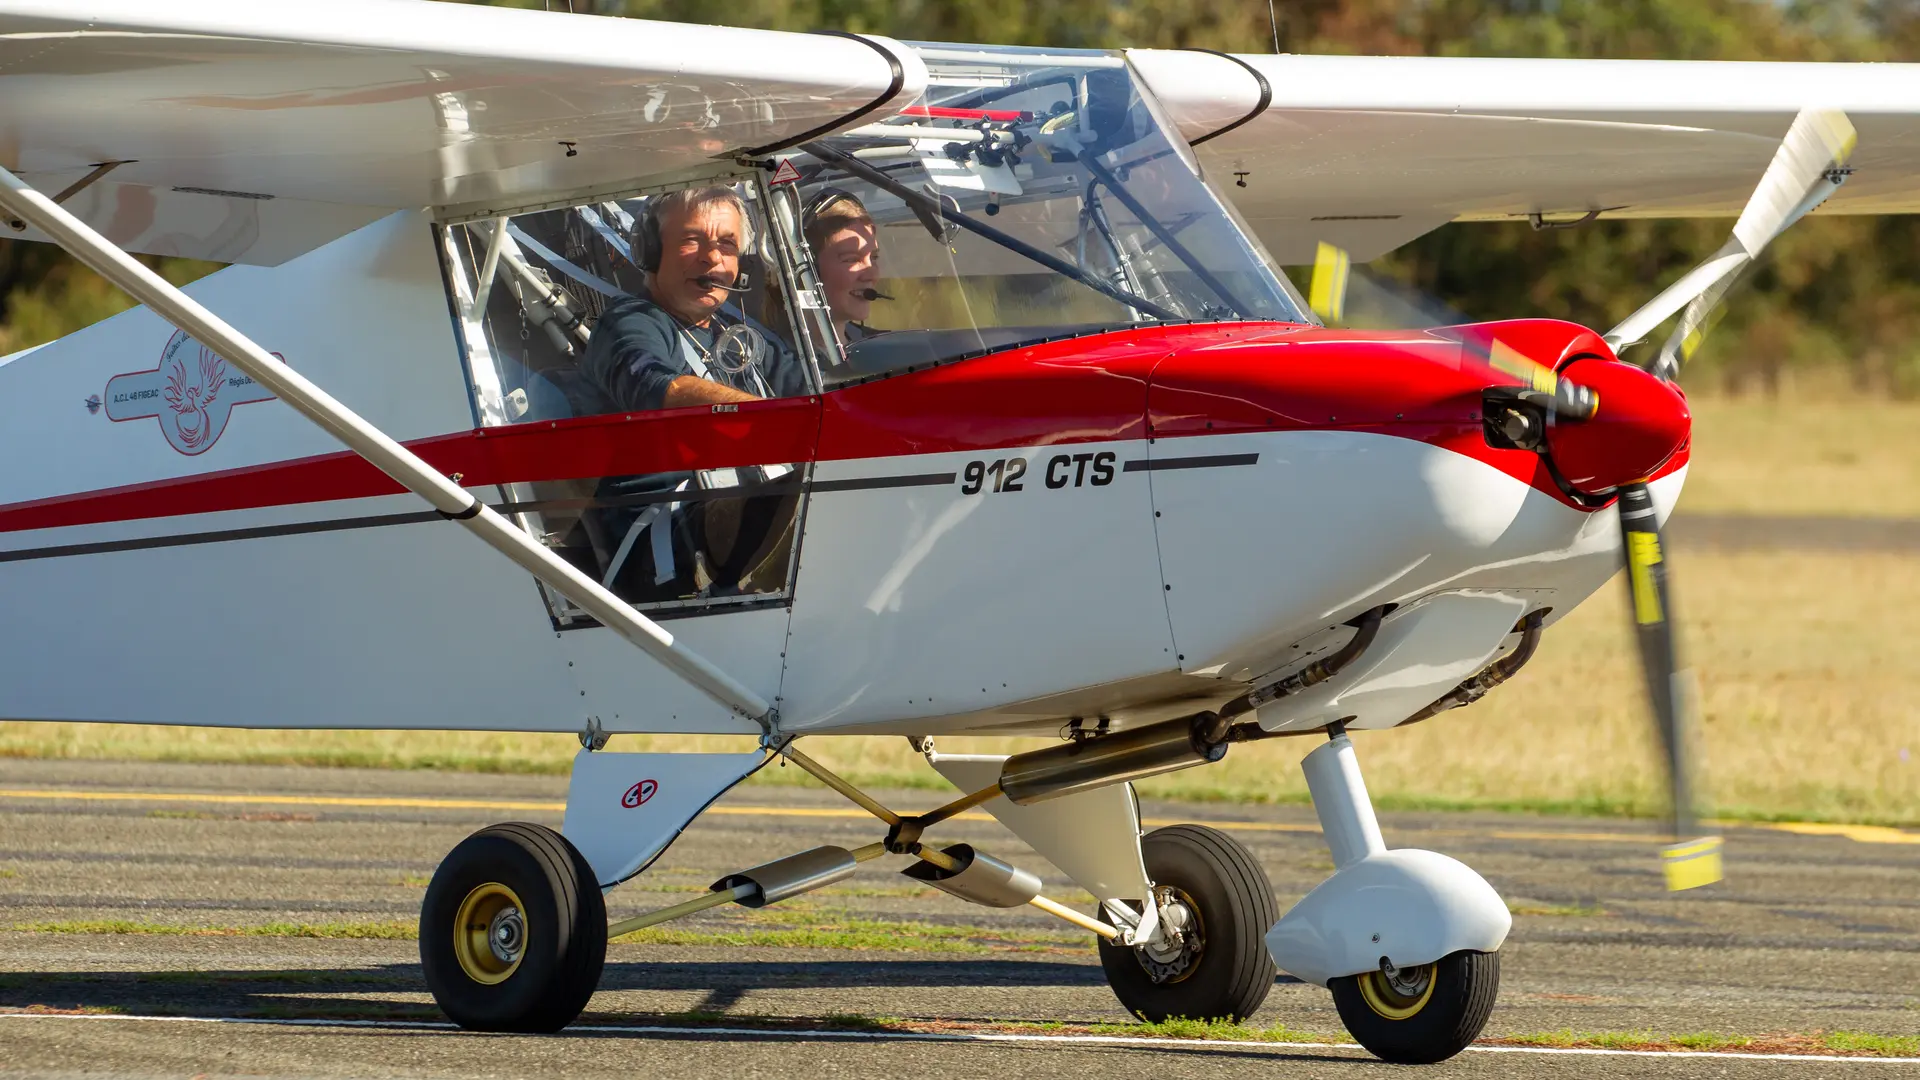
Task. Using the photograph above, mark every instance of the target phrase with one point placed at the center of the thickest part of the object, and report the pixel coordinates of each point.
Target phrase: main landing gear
(513, 931)
(1208, 962)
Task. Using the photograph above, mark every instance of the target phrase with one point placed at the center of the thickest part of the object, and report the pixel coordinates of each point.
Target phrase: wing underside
(253, 132)
(1368, 152)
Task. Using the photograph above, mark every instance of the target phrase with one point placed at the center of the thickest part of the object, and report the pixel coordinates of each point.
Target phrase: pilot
(683, 343)
(846, 251)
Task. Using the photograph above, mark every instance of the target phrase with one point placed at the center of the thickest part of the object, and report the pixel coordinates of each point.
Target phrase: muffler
(981, 878)
(1087, 764)
(775, 881)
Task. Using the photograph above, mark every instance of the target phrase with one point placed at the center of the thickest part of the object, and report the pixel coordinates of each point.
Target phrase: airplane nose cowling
(1642, 422)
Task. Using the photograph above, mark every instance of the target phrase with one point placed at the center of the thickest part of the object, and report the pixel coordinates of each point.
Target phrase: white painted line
(942, 1036)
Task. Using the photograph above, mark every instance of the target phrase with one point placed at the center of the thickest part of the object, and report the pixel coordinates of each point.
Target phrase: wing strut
(450, 499)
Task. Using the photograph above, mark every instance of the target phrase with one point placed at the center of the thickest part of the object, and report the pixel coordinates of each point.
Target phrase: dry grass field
(1806, 662)
(1847, 458)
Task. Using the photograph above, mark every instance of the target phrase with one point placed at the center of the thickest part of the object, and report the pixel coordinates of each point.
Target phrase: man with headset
(680, 344)
(683, 344)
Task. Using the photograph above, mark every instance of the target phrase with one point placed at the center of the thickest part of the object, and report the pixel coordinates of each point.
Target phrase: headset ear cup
(646, 238)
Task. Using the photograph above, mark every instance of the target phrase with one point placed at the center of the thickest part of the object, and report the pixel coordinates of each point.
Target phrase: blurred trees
(1835, 297)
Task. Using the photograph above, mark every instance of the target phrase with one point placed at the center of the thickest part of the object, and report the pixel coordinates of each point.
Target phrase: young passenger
(846, 253)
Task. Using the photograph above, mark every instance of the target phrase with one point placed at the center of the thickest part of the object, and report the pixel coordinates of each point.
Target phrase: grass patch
(414, 881)
(377, 931)
(1760, 457)
(77, 1010)
(1222, 1030)
(774, 929)
(1861, 1042)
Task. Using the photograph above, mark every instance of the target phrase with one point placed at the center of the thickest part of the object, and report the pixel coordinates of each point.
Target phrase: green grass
(1861, 1042)
(1818, 1042)
(773, 928)
(1222, 1030)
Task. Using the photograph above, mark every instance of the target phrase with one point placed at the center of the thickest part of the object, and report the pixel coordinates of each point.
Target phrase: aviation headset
(648, 247)
(818, 205)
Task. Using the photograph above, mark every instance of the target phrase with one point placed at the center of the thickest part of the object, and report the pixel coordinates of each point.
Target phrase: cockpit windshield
(1028, 195)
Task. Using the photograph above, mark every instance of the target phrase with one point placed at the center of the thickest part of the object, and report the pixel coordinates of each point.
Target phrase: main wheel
(1218, 905)
(513, 931)
(1423, 1014)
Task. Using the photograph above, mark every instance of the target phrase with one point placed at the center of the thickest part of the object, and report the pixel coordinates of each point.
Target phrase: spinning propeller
(1806, 169)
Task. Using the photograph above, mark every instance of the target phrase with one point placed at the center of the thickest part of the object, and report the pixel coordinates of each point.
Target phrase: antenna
(1274, 21)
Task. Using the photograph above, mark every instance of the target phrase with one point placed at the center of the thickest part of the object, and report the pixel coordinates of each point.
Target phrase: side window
(670, 302)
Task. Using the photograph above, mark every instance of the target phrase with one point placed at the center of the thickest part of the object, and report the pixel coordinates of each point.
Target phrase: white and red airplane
(1003, 420)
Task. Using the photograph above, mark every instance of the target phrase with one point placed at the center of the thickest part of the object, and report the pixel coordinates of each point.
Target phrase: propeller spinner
(1808, 167)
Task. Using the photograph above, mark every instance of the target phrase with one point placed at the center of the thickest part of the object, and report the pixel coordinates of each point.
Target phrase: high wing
(255, 131)
(1368, 152)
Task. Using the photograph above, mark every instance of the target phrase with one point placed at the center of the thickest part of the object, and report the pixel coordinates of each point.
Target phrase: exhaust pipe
(1171, 745)
(1165, 747)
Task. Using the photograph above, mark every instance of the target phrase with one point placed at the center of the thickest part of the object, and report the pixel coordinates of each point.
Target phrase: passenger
(676, 345)
(846, 253)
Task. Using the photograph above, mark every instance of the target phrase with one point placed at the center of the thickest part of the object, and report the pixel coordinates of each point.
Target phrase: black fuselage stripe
(1212, 461)
(222, 536)
(872, 482)
(376, 521)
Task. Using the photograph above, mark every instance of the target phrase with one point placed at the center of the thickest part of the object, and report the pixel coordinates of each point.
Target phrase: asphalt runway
(1812, 932)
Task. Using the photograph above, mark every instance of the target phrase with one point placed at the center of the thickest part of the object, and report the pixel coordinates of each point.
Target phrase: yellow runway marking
(1864, 834)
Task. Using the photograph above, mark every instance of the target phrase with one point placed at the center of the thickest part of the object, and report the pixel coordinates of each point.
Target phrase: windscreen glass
(1027, 196)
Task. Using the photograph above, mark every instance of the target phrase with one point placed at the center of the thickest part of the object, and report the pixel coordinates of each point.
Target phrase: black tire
(561, 934)
(1436, 1025)
(1223, 884)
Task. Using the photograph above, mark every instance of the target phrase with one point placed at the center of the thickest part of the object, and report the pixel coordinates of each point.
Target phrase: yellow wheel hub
(1402, 996)
(490, 934)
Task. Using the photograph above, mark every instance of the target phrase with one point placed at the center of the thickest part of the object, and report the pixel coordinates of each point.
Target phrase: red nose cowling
(1642, 422)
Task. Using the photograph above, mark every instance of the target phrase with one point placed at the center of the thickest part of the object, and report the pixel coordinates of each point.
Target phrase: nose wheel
(1420, 1014)
(1209, 961)
(513, 931)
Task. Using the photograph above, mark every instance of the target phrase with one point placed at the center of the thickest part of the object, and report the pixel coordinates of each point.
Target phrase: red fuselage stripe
(1151, 382)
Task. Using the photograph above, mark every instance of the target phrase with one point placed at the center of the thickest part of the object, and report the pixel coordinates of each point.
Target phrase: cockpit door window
(645, 353)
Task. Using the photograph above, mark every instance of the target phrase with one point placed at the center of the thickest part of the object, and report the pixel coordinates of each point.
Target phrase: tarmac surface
(1811, 932)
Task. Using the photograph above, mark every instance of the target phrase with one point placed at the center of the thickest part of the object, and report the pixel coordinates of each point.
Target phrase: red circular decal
(639, 793)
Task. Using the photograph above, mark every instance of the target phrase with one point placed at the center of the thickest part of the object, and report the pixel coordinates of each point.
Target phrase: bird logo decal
(192, 392)
(192, 398)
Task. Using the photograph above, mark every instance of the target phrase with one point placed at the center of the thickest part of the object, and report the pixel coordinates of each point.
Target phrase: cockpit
(1027, 196)
(1033, 195)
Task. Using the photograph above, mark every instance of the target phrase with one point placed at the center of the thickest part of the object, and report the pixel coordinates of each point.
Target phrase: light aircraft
(1085, 464)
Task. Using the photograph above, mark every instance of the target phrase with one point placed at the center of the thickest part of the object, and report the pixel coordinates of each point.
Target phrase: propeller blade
(1334, 277)
(1796, 181)
(1692, 860)
(1327, 294)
